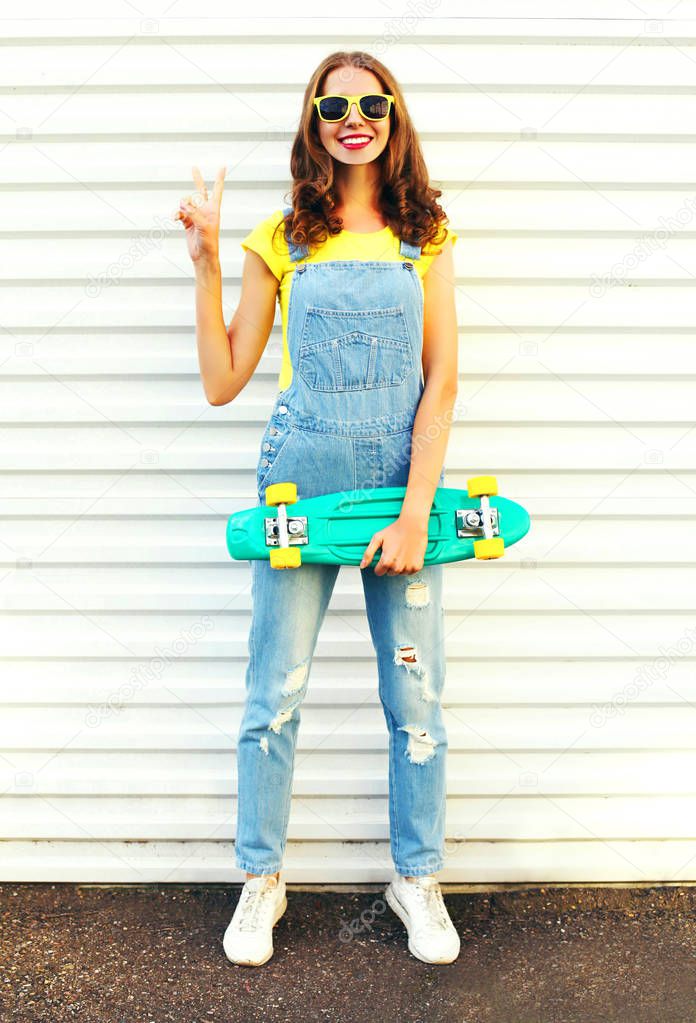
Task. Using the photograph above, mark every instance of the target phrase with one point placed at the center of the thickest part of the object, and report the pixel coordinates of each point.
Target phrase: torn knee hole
(296, 678)
(282, 716)
(295, 683)
(406, 655)
(417, 594)
(421, 745)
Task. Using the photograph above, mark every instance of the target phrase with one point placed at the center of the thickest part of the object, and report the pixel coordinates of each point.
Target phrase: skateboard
(336, 528)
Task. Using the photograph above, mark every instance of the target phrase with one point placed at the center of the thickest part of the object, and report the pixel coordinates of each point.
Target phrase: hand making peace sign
(200, 216)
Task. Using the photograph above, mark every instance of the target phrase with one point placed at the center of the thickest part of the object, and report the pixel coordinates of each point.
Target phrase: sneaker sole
(259, 962)
(402, 913)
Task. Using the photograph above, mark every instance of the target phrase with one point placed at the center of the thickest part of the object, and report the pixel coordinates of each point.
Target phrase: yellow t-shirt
(375, 245)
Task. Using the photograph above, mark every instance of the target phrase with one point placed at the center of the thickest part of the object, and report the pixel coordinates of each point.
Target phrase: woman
(367, 388)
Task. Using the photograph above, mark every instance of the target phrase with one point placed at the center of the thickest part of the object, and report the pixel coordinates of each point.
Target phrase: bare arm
(440, 373)
(227, 357)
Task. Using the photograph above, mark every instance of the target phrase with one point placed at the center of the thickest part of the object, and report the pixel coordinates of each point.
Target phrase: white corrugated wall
(564, 144)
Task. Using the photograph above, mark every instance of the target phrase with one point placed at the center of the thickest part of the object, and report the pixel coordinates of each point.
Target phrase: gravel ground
(153, 954)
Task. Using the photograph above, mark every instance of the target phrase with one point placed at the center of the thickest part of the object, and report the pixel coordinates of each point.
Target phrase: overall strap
(296, 251)
(409, 250)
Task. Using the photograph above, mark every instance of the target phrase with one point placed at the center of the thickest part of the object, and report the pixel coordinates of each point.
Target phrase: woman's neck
(357, 189)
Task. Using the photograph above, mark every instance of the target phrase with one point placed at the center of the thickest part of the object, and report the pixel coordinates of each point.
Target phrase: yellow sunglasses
(373, 106)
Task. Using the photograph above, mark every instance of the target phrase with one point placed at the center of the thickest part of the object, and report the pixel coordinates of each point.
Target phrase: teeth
(355, 141)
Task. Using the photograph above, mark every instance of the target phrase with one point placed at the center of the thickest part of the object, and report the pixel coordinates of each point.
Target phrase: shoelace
(431, 898)
(255, 900)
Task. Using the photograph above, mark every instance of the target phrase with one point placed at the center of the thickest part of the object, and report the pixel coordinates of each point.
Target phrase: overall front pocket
(350, 350)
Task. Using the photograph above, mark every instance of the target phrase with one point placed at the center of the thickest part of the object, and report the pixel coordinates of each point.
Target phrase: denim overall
(355, 333)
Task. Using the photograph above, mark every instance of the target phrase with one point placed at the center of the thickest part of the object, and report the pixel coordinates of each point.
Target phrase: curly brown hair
(407, 202)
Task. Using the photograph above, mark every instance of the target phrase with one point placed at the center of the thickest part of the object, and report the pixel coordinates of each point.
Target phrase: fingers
(219, 185)
(184, 214)
(186, 207)
(200, 183)
(190, 203)
(374, 543)
(382, 567)
(190, 214)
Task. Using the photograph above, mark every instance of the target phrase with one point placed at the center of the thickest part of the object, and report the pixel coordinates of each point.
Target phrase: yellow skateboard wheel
(482, 485)
(281, 493)
(494, 547)
(285, 557)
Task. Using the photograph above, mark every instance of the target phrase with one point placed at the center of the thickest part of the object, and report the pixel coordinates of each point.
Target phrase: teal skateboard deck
(336, 528)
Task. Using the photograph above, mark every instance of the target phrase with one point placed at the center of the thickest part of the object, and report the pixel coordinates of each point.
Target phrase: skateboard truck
(285, 530)
(470, 521)
(284, 534)
(484, 519)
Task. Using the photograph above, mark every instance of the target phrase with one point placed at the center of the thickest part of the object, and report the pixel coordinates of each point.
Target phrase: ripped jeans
(406, 620)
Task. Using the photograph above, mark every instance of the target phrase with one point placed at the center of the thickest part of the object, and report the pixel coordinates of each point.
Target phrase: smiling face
(373, 135)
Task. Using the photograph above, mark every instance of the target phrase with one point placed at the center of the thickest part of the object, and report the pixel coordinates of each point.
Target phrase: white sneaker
(419, 904)
(248, 940)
